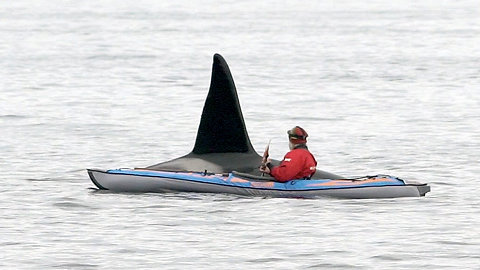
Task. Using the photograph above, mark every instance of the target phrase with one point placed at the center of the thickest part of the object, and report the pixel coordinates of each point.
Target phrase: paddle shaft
(265, 157)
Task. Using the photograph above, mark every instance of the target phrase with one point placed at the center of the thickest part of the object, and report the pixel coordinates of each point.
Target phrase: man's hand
(264, 168)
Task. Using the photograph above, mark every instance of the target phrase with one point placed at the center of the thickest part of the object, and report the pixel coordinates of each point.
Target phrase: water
(381, 87)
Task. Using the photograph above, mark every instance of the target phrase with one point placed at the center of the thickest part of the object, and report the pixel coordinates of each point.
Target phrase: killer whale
(222, 144)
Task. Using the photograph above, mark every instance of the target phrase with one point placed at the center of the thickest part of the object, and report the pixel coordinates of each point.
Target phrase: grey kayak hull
(142, 183)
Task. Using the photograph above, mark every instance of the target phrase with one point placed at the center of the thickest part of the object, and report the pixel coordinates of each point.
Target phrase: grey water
(381, 87)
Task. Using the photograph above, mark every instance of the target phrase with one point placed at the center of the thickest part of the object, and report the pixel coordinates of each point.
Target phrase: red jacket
(297, 164)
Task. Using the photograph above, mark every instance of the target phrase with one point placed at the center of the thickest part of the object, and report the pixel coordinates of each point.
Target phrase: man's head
(297, 135)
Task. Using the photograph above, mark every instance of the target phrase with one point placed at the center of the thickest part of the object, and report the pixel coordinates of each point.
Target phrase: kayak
(223, 160)
(140, 180)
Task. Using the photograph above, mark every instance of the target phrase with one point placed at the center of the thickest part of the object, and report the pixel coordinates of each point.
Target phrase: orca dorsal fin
(222, 128)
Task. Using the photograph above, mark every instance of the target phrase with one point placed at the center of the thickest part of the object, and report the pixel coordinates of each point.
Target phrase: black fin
(222, 143)
(222, 128)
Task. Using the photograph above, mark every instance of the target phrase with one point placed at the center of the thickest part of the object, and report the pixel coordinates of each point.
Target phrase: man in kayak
(299, 163)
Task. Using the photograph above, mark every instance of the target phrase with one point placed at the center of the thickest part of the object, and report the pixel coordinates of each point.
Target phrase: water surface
(380, 87)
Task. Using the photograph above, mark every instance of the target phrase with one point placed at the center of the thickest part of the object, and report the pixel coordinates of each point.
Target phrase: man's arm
(288, 168)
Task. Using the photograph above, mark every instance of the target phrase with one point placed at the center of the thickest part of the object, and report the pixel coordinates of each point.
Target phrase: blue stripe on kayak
(234, 181)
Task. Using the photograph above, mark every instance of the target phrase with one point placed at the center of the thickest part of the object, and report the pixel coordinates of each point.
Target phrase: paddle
(265, 157)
